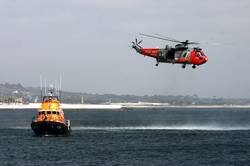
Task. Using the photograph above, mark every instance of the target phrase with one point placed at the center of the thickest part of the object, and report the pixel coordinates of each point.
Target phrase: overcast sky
(88, 42)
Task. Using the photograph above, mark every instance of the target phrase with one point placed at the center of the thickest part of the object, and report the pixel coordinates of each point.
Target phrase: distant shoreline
(116, 106)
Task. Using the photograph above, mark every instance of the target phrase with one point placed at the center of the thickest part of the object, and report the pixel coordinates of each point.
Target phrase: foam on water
(187, 127)
(20, 127)
(184, 127)
(205, 127)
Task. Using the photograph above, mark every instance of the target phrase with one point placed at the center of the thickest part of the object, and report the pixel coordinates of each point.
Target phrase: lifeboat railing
(67, 122)
(34, 119)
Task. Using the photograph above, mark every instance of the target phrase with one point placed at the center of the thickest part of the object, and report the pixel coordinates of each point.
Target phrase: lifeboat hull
(50, 128)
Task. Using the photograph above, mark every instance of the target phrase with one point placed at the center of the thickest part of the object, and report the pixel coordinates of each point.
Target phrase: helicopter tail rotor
(136, 45)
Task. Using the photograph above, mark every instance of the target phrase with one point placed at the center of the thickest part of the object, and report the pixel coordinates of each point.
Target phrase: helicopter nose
(205, 59)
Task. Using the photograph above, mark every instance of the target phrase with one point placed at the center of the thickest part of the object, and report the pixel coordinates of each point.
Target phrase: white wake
(186, 127)
(154, 127)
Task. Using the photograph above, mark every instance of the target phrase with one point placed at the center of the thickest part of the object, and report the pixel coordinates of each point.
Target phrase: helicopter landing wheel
(184, 66)
(193, 66)
(157, 62)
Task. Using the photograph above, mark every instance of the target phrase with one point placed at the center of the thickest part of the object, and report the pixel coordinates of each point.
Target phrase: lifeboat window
(47, 98)
(43, 112)
(54, 112)
(49, 112)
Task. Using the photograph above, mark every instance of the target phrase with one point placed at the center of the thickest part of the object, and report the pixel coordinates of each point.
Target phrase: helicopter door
(162, 55)
(171, 53)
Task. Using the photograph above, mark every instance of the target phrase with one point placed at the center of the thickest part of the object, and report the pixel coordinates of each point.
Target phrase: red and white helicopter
(180, 54)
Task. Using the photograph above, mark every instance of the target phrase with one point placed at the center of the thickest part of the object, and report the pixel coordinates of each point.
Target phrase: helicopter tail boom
(151, 52)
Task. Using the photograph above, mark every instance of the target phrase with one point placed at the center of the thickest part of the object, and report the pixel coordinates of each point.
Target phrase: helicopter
(180, 54)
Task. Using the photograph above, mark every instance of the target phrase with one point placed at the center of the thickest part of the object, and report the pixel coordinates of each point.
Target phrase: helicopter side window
(184, 55)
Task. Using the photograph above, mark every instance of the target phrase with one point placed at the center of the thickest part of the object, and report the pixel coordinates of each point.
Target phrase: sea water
(169, 136)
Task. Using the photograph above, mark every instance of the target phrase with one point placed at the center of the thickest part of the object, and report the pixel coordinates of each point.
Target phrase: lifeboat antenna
(45, 81)
(60, 88)
(56, 87)
(41, 86)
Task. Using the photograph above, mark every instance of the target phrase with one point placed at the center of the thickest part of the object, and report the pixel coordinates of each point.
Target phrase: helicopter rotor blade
(172, 39)
(161, 38)
(193, 43)
(139, 42)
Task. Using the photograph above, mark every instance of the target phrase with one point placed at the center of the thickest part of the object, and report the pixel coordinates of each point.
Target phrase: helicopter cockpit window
(198, 54)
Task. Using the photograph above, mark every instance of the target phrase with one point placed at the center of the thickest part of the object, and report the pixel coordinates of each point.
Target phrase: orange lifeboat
(50, 118)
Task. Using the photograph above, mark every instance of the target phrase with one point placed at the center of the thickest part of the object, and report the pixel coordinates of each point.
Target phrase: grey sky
(88, 42)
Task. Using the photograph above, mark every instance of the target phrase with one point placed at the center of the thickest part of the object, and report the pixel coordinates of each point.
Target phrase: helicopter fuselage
(181, 55)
